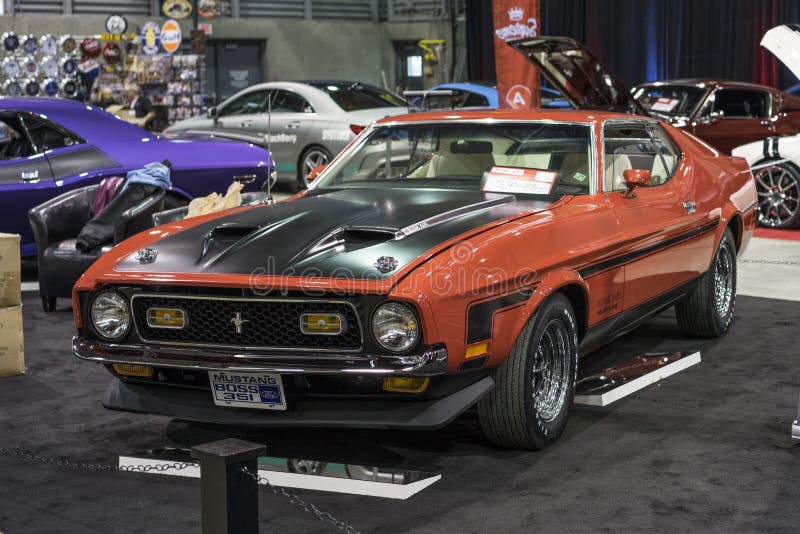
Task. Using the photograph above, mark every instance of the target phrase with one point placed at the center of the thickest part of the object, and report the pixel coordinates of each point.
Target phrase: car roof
(706, 82)
(565, 115)
(89, 122)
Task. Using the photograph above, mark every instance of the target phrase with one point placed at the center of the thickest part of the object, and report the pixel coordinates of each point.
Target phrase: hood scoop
(225, 236)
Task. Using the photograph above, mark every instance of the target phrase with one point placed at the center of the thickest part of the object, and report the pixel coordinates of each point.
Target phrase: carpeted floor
(705, 450)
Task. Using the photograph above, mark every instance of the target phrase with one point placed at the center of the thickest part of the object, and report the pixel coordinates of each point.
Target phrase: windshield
(356, 96)
(521, 158)
(671, 101)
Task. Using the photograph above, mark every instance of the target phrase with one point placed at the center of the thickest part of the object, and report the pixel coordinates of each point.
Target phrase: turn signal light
(126, 369)
(166, 318)
(406, 384)
(321, 323)
(357, 128)
(478, 349)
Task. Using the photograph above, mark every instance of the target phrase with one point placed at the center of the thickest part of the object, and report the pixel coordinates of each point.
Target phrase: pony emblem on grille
(238, 322)
(386, 264)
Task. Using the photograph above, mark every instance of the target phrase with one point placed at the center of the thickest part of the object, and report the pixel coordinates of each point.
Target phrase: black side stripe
(630, 256)
(775, 153)
(766, 147)
(479, 316)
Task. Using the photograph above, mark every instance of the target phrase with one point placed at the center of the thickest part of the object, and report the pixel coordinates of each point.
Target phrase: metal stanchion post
(796, 424)
(228, 496)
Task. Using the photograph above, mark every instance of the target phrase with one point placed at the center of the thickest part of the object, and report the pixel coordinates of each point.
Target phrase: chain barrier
(306, 506)
(85, 466)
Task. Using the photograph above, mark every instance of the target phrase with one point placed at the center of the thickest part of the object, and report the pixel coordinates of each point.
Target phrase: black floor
(705, 450)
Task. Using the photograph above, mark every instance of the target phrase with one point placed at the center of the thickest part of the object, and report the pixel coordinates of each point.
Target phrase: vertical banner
(517, 78)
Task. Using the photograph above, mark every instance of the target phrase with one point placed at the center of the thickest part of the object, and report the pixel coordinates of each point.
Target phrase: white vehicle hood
(784, 42)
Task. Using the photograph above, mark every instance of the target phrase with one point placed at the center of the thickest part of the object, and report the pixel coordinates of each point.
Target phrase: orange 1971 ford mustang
(442, 260)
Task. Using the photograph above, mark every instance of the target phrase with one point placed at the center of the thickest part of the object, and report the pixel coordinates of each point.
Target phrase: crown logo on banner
(515, 14)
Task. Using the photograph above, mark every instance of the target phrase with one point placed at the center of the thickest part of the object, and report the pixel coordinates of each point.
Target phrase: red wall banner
(517, 78)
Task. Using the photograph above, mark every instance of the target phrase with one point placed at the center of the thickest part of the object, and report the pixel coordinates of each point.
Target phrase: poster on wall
(517, 79)
(151, 37)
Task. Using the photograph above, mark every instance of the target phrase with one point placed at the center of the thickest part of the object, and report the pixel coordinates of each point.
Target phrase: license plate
(247, 390)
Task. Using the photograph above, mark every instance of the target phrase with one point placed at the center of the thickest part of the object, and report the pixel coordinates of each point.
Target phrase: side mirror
(315, 172)
(635, 178)
(211, 113)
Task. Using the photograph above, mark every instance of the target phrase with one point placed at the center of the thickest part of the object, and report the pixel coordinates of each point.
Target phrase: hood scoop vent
(226, 235)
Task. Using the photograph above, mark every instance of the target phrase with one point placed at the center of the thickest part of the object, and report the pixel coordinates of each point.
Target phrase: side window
(13, 143)
(254, 102)
(637, 146)
(474, 100)
(740, 104)
(46, 135)
(289, 102)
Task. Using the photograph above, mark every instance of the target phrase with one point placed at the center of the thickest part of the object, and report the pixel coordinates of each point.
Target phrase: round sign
(32, 88)
(68, 44)
(90, 47)
(30, 44)
(30, 67)
(13, 88)
(112, 53)
(207, 9)
(69, 66)
(10, 67)
(171, 36)
(89, 69)
(70, 87)
(50, 87)
(116, 24)
(10, 41)
(48, 45)
(151, 37)
(50, 67)
(519, 97)
(177, 9)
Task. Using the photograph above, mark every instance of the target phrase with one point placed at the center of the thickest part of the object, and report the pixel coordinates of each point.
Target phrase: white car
(311, 121)
(775, 161)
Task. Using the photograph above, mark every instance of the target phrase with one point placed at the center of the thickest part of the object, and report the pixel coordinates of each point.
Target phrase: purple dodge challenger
(49, 146)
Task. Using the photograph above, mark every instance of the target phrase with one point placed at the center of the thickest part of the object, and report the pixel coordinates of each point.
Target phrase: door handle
(294, 125)
(247, 124)
(30, 177)
(689, 206)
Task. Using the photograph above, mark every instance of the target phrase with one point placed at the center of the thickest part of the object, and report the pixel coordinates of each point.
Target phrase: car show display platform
(706, 449)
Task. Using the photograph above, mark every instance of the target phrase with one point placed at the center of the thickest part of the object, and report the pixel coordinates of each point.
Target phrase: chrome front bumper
(432, 360)
(796, 430)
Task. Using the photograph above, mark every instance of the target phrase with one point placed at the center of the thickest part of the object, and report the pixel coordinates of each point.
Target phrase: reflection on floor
(303, 474)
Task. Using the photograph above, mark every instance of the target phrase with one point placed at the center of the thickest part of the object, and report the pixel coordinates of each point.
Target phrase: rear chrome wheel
(778, 188)
(534, 388)
(708, 310)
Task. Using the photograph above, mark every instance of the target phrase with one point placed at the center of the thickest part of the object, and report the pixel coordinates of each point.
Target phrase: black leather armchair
(56, 225)
(176, 214)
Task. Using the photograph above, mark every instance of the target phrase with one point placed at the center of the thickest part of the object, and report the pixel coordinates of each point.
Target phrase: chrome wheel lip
(550, 372)
(778, 190)
(723, 281)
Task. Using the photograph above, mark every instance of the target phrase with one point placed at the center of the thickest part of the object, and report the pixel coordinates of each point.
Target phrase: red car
(443, 260)
(724, 114)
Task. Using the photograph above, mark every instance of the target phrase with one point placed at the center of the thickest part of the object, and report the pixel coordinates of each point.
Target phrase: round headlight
(395, 326)
(111, 317)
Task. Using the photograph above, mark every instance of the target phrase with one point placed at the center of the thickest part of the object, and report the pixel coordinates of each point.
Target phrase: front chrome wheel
(778, 188)
(550, 380)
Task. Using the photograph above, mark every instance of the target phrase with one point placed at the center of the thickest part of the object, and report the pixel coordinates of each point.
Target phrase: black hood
(335, 233)
(582, 78)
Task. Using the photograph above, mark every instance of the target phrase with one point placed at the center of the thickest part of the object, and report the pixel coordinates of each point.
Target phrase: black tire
(778, 187)
(708, 310)
(311, 156)
(517, 414)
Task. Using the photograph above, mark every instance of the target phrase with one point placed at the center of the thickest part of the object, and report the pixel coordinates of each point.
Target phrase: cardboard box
(12, 358)
(9, 270)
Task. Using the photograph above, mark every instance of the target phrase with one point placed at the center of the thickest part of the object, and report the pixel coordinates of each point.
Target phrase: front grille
(267, 323)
